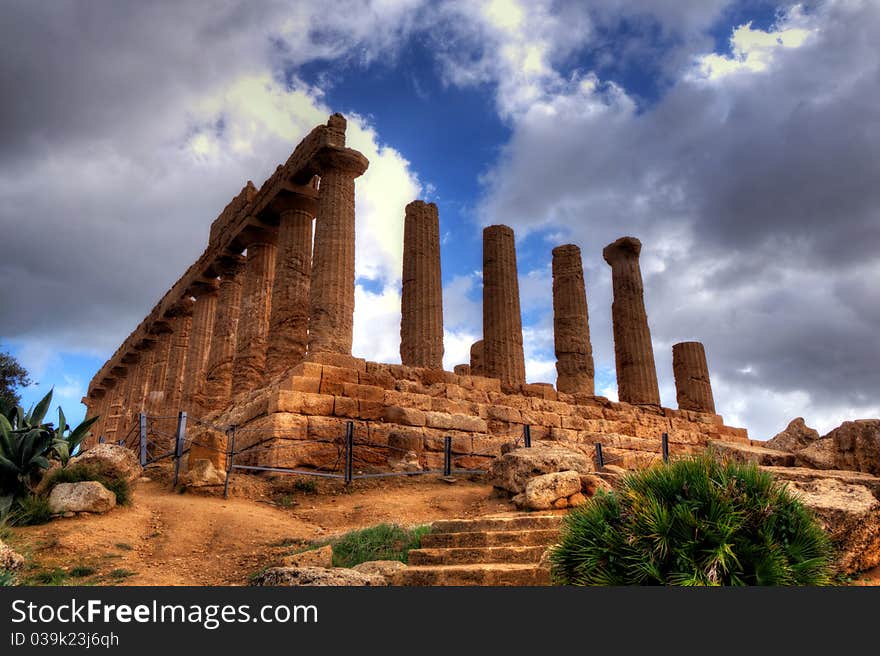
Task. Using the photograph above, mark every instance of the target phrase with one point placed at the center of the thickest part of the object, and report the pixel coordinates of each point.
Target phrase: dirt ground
(195, 538)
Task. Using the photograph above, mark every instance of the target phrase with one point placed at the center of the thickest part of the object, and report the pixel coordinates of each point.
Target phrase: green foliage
(56, 576)
(12, 377)
(81, 571)
(305, 485)
(693, 522)
(7, 579)
(27, 444)
(78, 473)
(380, 542)
(120, 574)
(30, 510)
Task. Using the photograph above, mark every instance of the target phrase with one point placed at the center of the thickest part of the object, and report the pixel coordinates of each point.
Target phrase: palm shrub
(696, 521)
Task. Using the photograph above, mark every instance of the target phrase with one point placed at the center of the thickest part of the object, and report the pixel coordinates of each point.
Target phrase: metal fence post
(527, 435)
(600, 460)
(447, 456)
(230, 460)
(349, 456)
(664, 441)
(178, 444)
(142, 422)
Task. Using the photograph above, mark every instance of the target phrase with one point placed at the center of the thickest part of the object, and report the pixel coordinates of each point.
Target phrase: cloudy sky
(740, 141)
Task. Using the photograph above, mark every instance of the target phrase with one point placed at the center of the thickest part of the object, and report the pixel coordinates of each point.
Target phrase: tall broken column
(502, 322)
(217, 390)
(693, 389)
(421, 305)
(633, 352)
(180, 321)
(331, 292)
(199, 346)
(571, 327)
(249, 364)
(289, 319)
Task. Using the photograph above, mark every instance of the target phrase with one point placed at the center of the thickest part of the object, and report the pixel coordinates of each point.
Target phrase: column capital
(341, 159)
(204, 287)
(183, 308)
(625, 248)
(256, 235)
(229, 265)
(131, 358)
(119, 371)
(295, 198)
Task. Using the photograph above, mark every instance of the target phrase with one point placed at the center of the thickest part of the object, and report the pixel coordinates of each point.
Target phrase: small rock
(590, 484)
(320, 557)
(577, 499)
(10, 559)
(542, 492)
(317, 576)
(202, 473)
(384, 568)
(561, 503)
(144, 479)
(68, 514)
(89, 496)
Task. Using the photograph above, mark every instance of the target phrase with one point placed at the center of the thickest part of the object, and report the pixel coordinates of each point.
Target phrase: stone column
(199, 346)
(132, 361)
(96, 402)
(331, 292)
(692, 387)
(249, 365)
(217, 390)
(502, 322)
(180, 321)
(571, 327)
(115, 405)
(462, 370)
(633, 352)
(155, 396)
(140, 389)
(289, 320)
(477, 368)
(421, 321)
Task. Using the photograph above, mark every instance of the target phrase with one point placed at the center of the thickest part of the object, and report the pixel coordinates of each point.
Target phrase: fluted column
(137, 400)
(289, 319)
(199, 345)
(96, 404)
(249, 365)
(633, 352)
(502, 322)
(180, 321)
(132, 361)
(693, 389)
(477, 368)
(331, 292)
(421, 320)
(155, 394)
(217, 390)
(115, 404)
(571, 326)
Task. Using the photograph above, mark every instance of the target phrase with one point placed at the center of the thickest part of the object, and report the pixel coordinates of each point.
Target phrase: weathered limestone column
(114, 406)
(633, 352)
(421, 321)
(477, 368)
(502, 322)
(289, 319)
(249, 364)
(199, 346)
(331, 292)
(140, 389)
(180, 321)
(462, 370)
(155, 396)
(571, 327)
(692, 387)
(96, 403)
(132, 360)
(217, 390)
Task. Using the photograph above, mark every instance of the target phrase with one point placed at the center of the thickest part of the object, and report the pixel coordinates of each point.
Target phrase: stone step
(495, 574)
(524, 538)
(476, 555)
(513, 523)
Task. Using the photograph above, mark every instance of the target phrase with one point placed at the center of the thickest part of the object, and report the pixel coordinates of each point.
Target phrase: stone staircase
(488, 551)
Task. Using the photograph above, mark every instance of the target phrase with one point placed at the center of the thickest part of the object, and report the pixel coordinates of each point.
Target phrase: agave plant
(27, 444)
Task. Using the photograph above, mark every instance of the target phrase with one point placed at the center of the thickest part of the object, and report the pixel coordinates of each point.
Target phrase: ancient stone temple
(257, 335)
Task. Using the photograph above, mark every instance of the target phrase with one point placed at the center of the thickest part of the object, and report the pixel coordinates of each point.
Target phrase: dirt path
(166, 538)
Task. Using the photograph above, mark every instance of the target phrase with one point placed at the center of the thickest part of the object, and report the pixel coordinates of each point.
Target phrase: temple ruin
(257, 334)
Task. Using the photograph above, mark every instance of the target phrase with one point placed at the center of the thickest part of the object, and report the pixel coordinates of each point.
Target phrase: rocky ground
(168, 538)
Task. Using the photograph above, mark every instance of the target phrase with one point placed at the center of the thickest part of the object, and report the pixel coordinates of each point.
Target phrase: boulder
(317, 576)
(111, 460)
(758, 455)
(85, 496)
(320, 557)
(592, 483)
(850, 514)
(202, 473)
(10, 560)
(543, 492)
(384, 568)
(806, 474)
(513, 470)
(854, 445)
(408, 463)
(796, 436)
